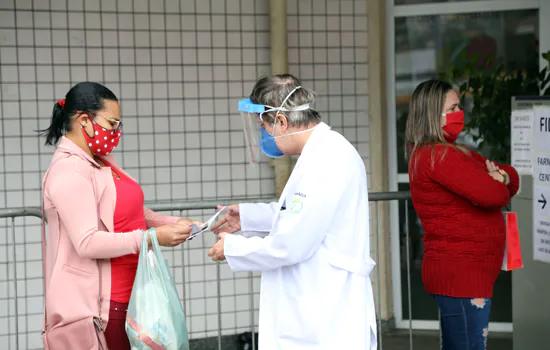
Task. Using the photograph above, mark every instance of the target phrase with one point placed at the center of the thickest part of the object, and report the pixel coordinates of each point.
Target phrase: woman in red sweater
(458, 196)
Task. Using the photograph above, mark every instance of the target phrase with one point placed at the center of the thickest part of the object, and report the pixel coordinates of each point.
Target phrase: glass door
(429, 38)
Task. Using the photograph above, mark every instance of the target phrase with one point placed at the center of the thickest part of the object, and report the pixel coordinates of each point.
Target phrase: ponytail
(58, 126)
(83, 97)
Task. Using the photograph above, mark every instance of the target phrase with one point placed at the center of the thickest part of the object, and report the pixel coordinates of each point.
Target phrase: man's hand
(231, 222)
(216, 252)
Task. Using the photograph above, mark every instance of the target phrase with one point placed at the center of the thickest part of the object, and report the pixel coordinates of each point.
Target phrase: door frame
(397, 11)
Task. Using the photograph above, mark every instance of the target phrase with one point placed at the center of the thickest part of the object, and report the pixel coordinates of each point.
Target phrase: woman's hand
(491, 167)
(184, 221)
(497, 176)
(496, 173)
(173, 235)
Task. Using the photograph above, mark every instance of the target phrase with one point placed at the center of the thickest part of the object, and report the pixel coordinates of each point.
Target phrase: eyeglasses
(116, 124)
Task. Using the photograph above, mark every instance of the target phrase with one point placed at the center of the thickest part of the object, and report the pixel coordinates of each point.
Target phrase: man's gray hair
(272, 91)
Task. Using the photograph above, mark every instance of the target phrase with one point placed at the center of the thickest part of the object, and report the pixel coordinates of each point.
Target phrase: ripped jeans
(464, 322)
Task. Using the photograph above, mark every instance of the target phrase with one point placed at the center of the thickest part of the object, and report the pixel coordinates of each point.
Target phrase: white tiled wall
(179, 68)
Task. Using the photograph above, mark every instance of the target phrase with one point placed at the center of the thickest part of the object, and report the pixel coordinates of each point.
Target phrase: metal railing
(13, 294)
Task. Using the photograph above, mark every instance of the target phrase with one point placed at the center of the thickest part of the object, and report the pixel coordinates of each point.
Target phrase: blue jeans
(464, 322)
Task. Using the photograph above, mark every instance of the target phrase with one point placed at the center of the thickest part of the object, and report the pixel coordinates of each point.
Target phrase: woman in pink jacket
(96, 220)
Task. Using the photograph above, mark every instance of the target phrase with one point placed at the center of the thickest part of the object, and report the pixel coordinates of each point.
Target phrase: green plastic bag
(155, 319)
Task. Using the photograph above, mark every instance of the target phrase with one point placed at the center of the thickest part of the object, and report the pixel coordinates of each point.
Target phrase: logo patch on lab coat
(297, 203)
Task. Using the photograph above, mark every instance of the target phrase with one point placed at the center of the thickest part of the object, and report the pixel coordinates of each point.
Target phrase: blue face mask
(252, 114)
(268, 145)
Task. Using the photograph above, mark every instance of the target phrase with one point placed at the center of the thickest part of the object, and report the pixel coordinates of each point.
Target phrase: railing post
(16, 301)
(252, 311)
(219, 296)
(183, 292)
(409, 298)
(379, 287)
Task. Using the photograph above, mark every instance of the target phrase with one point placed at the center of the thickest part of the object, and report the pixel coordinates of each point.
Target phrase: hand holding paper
(189, 222)
(196, 230)
(231, 222)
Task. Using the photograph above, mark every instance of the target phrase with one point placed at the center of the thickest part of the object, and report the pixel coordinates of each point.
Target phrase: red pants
(115, 332)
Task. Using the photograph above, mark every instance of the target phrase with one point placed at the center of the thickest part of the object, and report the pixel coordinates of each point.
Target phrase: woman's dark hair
(83, 97)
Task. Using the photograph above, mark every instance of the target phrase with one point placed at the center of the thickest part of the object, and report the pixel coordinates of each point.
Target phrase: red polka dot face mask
(103, 141)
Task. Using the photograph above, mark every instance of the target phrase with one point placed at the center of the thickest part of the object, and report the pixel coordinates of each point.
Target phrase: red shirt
(129, 216)
(459, 205)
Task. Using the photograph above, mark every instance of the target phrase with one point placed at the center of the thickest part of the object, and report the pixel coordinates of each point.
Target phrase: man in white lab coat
(312, 247)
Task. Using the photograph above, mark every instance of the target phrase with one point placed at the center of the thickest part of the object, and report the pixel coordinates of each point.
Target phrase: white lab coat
(314, 253)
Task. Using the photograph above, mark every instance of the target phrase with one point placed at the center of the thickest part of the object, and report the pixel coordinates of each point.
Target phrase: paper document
(522, 141)
(196, 230)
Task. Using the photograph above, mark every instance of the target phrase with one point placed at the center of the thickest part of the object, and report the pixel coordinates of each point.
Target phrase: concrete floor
(429, 340)
(394, 340)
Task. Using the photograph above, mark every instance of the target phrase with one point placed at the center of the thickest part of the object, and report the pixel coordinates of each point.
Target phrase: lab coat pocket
(350, 264)
(283, 219)
(298, 318)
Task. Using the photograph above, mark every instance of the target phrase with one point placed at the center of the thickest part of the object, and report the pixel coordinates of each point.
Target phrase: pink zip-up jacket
(79, 202)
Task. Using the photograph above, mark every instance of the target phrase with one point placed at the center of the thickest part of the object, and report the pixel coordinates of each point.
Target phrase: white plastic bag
(155, 319)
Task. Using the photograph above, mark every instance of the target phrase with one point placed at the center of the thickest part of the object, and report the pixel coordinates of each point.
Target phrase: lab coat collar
(321, 128)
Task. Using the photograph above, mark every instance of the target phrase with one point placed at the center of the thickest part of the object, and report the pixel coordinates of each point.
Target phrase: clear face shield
(252, 127)
(257, 139)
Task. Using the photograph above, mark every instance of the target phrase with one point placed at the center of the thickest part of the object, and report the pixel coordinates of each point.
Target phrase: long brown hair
(424, 120)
